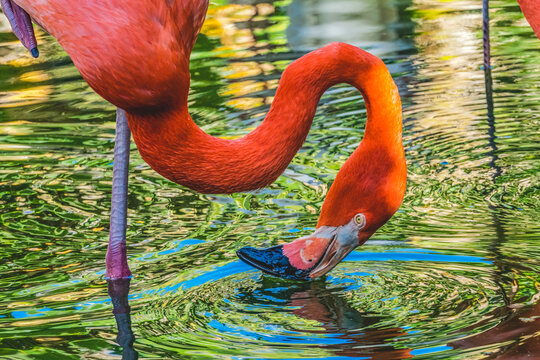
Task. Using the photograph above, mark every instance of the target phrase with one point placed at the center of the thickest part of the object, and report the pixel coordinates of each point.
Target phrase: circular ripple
(381, 310)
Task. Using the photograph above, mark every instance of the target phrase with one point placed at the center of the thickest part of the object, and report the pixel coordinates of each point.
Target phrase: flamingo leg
(117, 267)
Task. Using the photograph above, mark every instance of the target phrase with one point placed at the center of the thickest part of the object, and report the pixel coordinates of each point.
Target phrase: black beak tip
(34, 52)
(273, 262)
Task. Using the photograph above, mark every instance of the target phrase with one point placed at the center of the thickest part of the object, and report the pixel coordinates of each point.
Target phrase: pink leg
(117, 267)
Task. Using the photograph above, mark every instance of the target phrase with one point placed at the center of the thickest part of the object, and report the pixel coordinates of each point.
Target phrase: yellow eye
(360, 220)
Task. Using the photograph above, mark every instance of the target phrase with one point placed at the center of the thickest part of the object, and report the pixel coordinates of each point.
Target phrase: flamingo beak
(21, 24)
(305, 258)
(336, 251)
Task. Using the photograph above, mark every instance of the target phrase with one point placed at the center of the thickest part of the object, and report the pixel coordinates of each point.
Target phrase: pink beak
(306, 258)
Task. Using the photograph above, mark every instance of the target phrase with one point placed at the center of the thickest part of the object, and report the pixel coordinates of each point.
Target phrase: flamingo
(135, 54)
(531, 10)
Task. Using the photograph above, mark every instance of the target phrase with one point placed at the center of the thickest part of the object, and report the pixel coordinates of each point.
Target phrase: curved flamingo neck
(176, 148)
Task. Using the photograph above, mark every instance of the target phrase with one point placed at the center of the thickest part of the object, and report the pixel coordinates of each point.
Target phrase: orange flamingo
(135, 54)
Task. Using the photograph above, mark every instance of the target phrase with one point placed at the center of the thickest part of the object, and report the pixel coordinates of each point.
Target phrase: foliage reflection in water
(453, 275)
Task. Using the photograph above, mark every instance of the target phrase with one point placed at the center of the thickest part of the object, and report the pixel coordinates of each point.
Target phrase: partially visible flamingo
(135, 54)
(531, 10)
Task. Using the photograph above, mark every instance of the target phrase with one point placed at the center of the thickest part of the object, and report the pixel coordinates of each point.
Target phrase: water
(453, 275)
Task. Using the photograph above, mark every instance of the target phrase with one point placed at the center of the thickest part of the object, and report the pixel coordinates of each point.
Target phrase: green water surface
(453, 275)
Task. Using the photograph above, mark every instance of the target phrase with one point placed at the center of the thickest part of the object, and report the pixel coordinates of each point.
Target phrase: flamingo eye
(360, 220)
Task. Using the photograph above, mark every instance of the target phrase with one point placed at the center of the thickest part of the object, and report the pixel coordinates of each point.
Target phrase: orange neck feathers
(176, 148)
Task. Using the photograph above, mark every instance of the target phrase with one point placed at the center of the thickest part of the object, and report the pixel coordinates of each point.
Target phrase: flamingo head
(363, 198)
(310, 256)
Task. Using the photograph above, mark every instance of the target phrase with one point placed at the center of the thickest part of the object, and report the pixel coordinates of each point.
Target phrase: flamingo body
(135, 54)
